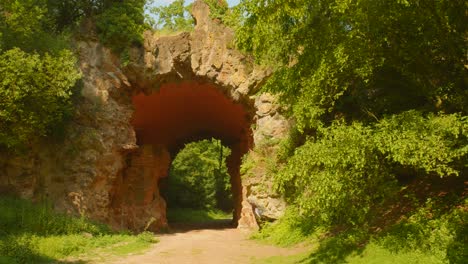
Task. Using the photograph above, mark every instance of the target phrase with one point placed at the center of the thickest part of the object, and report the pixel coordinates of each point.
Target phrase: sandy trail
(206, 246)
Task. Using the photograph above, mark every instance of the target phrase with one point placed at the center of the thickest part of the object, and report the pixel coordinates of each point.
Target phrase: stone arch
(185, 87)
(175, 114)
(91, 172)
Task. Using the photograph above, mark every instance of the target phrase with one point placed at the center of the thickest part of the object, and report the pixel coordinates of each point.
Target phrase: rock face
(136, 203)
(107, 171)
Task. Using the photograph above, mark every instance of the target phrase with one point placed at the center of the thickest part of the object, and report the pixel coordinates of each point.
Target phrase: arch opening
(164, 122)
(197, 190)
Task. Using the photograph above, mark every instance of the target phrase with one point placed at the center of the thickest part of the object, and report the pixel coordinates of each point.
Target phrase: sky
(166, 2)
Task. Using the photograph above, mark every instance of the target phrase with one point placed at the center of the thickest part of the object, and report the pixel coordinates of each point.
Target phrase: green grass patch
(430, 234)
(188, 215)
(287, 231)
(134, 245)
(292, 259)
(375, 254)
(34, 233)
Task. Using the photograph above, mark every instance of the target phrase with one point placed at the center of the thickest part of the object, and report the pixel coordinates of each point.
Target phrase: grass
(375, 254)
(287, 231)
(280, 259)
(34, 233)
(188, 215)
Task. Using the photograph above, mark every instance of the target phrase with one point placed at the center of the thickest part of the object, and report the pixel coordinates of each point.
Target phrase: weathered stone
(136, 203)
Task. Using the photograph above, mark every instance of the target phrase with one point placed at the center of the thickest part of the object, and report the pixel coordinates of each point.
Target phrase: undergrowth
(287, 231)
(34, 233)
(409, 230)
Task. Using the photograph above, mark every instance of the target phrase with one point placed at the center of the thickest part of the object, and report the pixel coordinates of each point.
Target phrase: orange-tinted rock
(136, 203)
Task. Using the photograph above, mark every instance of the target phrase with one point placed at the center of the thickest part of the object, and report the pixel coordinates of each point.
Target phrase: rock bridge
(133, 118)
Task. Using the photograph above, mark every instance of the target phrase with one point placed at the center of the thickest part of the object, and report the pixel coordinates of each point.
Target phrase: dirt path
(206, 246)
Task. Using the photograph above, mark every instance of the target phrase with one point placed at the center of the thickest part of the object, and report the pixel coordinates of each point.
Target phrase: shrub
(346, 169)
(338, 177)
(122, 24)
(35, 94)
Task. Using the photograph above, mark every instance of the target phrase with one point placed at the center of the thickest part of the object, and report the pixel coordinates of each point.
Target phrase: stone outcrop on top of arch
(132, 118)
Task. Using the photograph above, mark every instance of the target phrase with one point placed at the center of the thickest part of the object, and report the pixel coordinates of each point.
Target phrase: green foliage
(220, 11)
(247, 165)
(436, 143)
(122, 24)
(377, 90)
(172, 18)
(218, 8)
(176, 16)
(198, 177)
(42, 24)
(338, 177)
(38, 73)
(291, 229)
(24, 18)
(431, 233)
(18, 216)
(35, 94)
(359, 59)
(33, 233)
(28, 25)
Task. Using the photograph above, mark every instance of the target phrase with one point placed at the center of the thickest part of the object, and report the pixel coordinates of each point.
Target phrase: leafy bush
(198, 177)
(29, 25)
(436, 143)
(122, 24)
(220, 11)
(38, 72)
(35, 94)
(338, 177)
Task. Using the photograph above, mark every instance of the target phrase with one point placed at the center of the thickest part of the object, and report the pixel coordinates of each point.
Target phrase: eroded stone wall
(135, 200)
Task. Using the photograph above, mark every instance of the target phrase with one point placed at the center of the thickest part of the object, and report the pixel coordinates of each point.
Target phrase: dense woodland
(378, 91)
